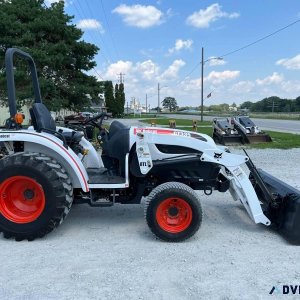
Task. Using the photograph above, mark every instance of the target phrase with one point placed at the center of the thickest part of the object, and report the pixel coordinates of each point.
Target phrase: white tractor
(44, 168)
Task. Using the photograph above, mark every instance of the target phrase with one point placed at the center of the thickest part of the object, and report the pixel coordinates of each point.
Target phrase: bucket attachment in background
(228, 139)
(257, 138)
(250, 133)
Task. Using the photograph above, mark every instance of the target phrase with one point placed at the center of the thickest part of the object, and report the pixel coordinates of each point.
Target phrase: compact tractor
(44, 169)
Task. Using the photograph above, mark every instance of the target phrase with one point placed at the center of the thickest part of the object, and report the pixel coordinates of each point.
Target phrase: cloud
(145, 72)
(214, 61)
(90, 24)
(181, 44)
(292, 87)
(142, 77)
(242, 87)
(275, 78)
(140, 15)
(148, 69)
(204, 17)
(290, 63)
(120, 66)
(172, 71)
(218, 77)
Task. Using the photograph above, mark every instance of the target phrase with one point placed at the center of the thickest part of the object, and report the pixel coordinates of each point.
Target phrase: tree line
(273, 104)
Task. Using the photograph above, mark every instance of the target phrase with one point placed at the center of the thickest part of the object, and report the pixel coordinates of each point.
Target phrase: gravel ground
(109, 253)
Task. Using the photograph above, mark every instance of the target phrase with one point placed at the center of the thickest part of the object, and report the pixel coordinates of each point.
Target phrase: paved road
(265, 124)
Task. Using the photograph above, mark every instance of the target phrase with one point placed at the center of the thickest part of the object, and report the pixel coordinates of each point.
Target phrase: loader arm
(241, 187)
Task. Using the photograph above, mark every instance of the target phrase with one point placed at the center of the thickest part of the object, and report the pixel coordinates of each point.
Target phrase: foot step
(101, 202)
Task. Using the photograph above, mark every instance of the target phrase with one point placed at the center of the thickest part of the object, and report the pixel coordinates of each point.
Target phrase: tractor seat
(117, 145)
(42, 120)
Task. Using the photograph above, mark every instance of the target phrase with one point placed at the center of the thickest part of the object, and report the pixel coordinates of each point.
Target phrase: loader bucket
(286, 216)
(258, 138)
(230, 139)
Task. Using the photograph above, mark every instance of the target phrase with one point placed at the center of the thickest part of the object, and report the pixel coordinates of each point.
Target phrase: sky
(160, 41)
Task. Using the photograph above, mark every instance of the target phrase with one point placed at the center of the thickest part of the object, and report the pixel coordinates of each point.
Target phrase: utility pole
(127, 108)
(121, 77)
(273, 105)
(158, 102)
(202, 67)
(146, 102)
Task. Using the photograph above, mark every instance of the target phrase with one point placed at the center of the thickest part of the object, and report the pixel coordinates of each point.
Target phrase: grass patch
(281, 140)
(278, 116)
(204, 130)
(179, 122)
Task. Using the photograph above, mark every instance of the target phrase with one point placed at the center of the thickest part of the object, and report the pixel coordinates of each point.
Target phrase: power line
(261, 39)
(98, 74)
(98, 29)
(242, 48)
(81, 14)
(109, 30)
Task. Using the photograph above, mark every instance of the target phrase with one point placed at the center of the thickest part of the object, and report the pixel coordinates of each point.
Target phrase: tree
(247, 105)
(62, 57)
(297, 101)
(122, 97)
(170, 103)
(109, 96)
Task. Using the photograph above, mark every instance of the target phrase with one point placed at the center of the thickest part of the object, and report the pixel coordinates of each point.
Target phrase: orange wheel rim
(22, 199)
(174, 215)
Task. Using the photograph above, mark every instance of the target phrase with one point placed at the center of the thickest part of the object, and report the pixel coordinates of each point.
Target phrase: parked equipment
(249, 131)
(224, 132)
(44, 168)
(238, 130)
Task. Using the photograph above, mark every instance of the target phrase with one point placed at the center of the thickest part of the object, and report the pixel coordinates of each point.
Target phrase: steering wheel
(93, 120)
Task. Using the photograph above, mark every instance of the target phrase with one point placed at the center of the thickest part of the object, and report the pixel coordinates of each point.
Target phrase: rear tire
(36, 195)
(173, 212)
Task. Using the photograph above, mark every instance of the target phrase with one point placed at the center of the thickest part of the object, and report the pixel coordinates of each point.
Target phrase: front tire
(36, 195)
(173, 212)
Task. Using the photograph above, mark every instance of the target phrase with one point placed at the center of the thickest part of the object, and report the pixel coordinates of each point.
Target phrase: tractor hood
(174, 136)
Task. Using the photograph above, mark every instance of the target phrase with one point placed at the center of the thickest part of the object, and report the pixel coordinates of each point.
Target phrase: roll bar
(11, 88)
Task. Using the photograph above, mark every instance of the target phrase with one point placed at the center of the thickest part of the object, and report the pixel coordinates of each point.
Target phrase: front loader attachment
(257, 138)
(230, 139)
(280, 202)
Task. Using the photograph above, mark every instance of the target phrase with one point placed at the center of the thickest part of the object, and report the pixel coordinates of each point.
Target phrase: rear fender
(50, 145)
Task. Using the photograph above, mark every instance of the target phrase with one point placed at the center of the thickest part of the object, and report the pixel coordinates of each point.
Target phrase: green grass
(204, 130)
(280, 140)
(276, 116)
(179, 122)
